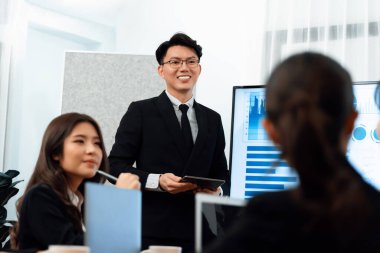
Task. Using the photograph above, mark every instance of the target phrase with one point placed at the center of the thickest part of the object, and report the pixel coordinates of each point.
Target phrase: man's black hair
(178, 39)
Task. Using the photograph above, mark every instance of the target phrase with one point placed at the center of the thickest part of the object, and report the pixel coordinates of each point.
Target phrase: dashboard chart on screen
(364, 146)
(255, 162)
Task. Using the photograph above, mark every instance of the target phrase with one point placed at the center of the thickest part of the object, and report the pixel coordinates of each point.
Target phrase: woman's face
(82, 153)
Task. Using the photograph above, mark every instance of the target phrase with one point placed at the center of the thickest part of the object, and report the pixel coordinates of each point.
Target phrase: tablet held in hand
(203, 182)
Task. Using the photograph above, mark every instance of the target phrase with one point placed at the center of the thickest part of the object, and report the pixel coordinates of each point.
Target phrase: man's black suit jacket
(149, 134)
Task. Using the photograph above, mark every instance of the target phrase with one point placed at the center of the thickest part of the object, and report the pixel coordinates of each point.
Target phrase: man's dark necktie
(186, 130)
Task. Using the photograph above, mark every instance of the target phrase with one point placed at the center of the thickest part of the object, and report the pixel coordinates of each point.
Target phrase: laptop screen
(112, 219)
(214, 215)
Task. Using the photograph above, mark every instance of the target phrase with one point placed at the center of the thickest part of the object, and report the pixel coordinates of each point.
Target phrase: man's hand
(170, 183)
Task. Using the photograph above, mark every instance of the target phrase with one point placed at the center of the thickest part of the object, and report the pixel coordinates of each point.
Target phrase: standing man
(168, 137)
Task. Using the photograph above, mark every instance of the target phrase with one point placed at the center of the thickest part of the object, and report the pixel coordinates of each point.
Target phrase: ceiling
(106, 12)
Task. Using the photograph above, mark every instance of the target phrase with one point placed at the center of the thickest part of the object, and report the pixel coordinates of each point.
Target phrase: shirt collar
(176, 102)
(76, 198)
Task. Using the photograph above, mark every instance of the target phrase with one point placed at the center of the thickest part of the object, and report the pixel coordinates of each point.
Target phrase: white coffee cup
(68, 249)
(162, 249)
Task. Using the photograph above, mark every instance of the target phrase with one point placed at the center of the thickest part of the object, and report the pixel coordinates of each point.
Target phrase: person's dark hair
(309, 98)
(48, 170)
(377, 96)
(178, 39)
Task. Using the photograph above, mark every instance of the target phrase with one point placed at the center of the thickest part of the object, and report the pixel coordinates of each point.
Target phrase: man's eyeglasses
(176, 63)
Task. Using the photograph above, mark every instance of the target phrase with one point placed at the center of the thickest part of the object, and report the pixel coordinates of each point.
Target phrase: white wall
(230, 33)
(40, 38)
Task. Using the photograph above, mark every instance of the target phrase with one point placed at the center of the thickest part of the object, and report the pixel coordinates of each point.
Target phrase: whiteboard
(103, 85)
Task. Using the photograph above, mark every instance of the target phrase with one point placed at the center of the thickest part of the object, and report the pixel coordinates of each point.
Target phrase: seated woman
(49, 212)
(310, 116)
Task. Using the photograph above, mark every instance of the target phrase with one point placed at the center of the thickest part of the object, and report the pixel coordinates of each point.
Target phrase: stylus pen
(108, 176)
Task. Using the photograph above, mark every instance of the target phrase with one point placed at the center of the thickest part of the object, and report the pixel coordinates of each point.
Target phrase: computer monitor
(214, 215)
(363, 149)
(253, 156)
(254, 161)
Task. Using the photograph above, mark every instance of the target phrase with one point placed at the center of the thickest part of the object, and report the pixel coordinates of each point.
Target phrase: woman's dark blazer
(43, 221)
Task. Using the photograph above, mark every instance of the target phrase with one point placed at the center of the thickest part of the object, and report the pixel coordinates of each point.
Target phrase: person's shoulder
(274, 202)
(372, 194)
(143, 103)
(206, 109)
(40, 192)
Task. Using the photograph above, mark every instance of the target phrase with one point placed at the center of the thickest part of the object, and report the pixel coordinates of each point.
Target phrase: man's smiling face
(179, 81)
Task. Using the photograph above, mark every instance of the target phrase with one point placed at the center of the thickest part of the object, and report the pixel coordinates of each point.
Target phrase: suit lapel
(167, 112)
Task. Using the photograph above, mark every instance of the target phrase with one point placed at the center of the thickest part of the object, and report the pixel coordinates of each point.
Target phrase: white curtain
(6, 20)
(347, 30)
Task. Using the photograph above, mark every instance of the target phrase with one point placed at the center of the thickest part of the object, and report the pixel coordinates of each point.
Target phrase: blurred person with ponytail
(310, 116)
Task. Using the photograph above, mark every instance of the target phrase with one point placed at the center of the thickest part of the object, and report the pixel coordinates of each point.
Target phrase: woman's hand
(128, 181)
